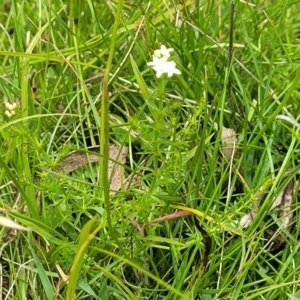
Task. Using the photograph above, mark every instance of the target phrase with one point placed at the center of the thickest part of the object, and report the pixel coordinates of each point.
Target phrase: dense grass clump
(143, 145)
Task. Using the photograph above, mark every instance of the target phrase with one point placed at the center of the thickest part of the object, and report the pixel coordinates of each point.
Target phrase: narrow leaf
(84, 240)
(140, 80)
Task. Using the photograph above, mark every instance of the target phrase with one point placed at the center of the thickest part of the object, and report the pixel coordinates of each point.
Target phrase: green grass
(79, 74)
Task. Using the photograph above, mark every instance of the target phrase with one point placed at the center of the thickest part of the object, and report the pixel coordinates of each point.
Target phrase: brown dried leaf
(286, 206)
(76, 160)
(175, 215)
(229, 141)
(116, 173)
(136, 225)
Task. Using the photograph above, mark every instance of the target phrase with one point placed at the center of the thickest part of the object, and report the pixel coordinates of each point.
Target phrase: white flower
(10, 113)
(157, 63)
(163, 66)
(163, 52)
(10, 109)
(10, 106)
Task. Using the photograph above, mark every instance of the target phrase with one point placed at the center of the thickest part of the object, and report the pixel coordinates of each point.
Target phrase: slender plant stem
(104, 147)
(157, 120)
(29, 190)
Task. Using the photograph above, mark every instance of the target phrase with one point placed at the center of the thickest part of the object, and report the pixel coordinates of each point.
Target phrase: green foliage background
(75, 66)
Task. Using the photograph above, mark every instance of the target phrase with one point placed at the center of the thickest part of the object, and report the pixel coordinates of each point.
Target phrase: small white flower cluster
(161, 63)
(10, 109)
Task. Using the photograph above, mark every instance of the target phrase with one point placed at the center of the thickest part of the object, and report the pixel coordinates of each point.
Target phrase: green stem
(104, 146)
(157, 120)
(29, 189)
